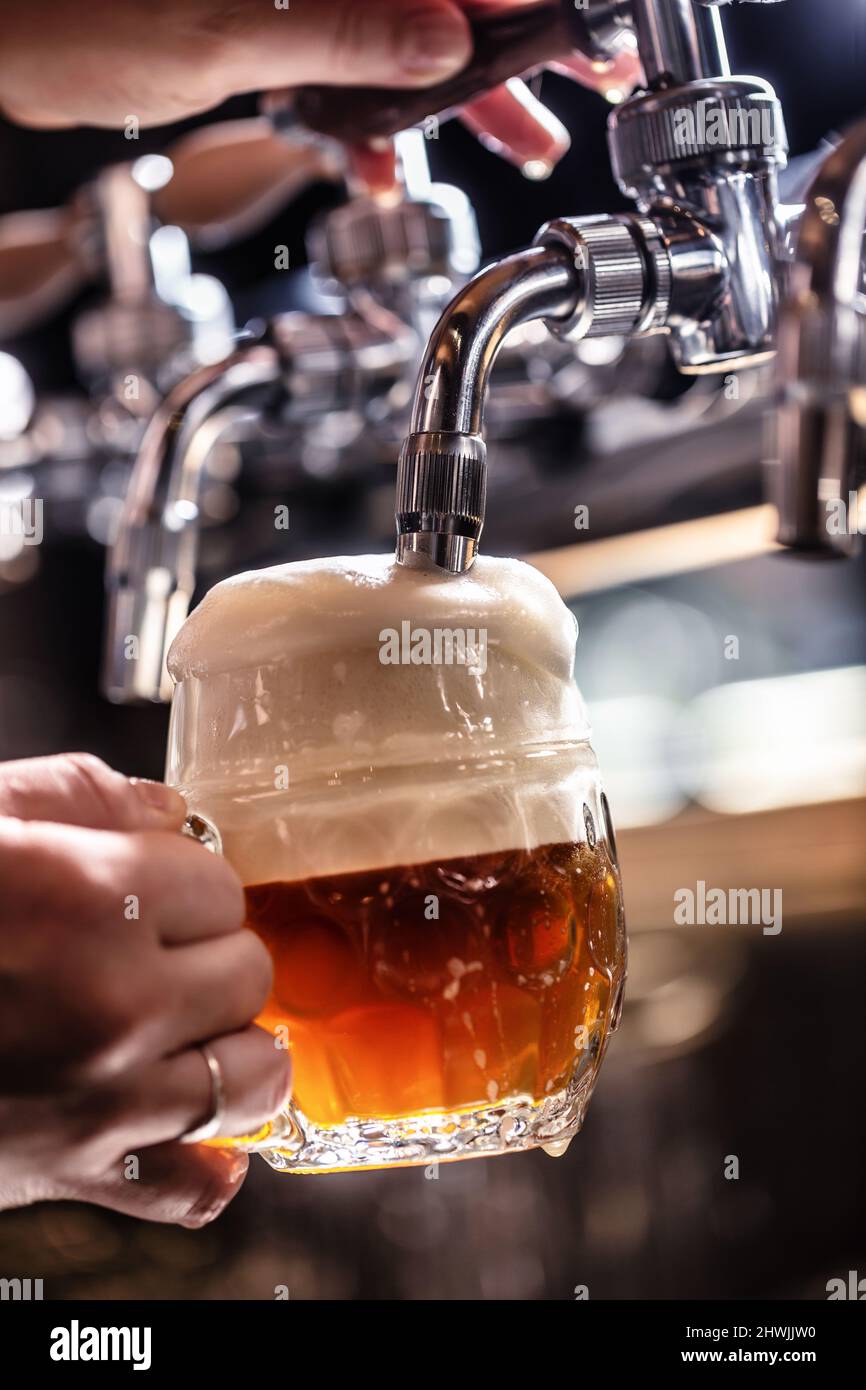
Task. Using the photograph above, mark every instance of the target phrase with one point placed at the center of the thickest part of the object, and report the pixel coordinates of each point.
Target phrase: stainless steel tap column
(679, 41)
(302, 373)
(151, 570)
(699, 152)
(820, 444)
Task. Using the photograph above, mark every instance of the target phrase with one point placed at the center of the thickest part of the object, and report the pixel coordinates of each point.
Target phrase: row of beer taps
(384, 265)
(715, 269)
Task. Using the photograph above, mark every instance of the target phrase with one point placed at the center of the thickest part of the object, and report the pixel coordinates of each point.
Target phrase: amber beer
(445, 986)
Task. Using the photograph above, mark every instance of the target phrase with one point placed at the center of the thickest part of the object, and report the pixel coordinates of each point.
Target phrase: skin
(101, 1012)
(100, 63)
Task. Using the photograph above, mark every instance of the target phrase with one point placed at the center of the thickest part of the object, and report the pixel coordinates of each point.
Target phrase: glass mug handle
(204, 832)
(281, 1138)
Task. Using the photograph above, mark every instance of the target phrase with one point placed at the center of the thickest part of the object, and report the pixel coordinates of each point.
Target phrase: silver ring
(212, 1126)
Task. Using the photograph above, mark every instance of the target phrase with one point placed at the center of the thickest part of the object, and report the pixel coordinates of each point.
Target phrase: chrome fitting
(441, 497)
(625, 271)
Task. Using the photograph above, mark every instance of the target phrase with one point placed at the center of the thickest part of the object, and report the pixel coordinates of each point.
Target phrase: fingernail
(435, 44)
(208, 1208)
(200, 1217)
(163, 802)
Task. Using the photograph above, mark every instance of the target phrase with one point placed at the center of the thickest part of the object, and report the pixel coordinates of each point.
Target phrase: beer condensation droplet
(557, 1147)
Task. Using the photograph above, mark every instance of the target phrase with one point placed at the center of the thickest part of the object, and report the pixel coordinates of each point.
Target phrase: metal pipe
(441, 479)
(151, 569)
(314, 364)
(540, 282)
(822, 363)
(679, 41)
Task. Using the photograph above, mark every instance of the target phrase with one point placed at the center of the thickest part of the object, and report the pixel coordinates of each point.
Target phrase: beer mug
(398, 766)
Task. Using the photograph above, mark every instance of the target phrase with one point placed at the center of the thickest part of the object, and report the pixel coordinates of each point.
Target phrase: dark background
(639, 1207)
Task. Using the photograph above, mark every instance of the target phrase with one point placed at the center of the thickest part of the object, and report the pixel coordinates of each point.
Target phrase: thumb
(80, 789)
(187, 1185)
(389, 43)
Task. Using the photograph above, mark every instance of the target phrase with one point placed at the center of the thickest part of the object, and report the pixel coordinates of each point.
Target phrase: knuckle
(272, 1070)
(258, 972)
(105, 1028)
(229, 18)
(351, 35)
(221, 37)
(94, 779)
(220, 894)
(96, 1056)
(87, 763)
(280, 1087)
(225, 881)
(88, 886)
(91, 1121)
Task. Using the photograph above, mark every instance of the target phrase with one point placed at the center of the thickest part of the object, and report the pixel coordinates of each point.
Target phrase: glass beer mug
(398, 766)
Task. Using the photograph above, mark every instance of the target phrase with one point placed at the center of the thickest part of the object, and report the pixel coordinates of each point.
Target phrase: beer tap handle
(42, 265)
(504, 46)
(230, 178)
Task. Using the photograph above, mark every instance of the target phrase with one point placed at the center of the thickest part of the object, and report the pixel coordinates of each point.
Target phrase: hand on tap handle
(111, 60)
(507, 39)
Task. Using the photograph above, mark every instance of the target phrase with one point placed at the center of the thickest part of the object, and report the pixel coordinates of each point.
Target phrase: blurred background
(726, 682)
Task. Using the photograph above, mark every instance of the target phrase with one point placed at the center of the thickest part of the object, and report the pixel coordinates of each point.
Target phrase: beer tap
(396, 258)
(703, 260)
(154, 323)
(820, 439)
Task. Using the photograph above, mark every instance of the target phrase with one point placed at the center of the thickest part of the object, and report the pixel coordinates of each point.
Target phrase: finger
(615, 80)
(182, 892)
(173, 1096)
(513, 123)
(80, 789)
(200, 53)
(187, 1185)
(392, 43)
(216, 987)
(160, 885)
(373, 168)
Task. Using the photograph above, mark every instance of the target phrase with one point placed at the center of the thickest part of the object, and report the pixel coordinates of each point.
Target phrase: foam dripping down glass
(397, 763)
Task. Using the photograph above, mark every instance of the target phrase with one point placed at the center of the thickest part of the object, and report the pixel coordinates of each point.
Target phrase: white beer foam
(312, 605)
(280, 680)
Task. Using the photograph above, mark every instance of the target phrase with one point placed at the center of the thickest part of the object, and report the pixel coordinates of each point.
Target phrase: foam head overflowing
(345, 714)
